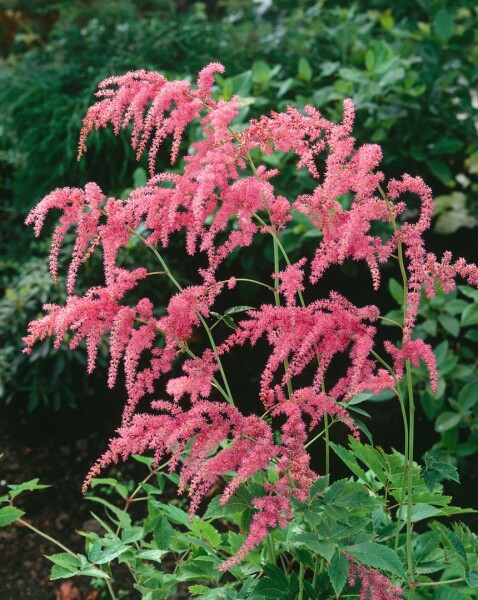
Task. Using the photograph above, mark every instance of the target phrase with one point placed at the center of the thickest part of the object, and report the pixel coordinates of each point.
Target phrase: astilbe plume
(373, 585)
(218, 185)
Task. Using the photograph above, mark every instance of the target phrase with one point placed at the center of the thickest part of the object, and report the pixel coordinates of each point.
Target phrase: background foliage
(410, 69)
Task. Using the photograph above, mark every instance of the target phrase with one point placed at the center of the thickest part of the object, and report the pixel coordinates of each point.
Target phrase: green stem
(275, 240)
(319, 435)
(406, 443)
(411, 421)
(327, 444)
(229, 397)
(301, 581)
(167, 271)
(447, 581)
(317, 568)
(46, 536)
(411, 403)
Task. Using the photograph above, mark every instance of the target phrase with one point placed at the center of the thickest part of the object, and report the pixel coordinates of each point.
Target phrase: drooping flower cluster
(373, 585)
(220, 199)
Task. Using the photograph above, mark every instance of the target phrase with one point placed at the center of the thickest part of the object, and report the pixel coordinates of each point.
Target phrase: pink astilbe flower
(80, 208)
(305, 335)
(198, 379)
(144, 98)
(88, 317)
(373, 585)
(291, 281)
(274, 511)
(411, 236)
(414, 350)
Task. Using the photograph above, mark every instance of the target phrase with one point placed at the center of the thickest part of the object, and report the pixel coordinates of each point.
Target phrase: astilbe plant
(221, 200)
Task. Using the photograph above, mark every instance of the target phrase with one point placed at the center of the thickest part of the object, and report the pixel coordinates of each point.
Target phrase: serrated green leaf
(124, 520)
(434, 471)
(274, 585)
(111, 552)
(121, 489)
(349, 459)
(131, 535)
(338, 571)
(92, 571)
(472, 578)
(233, 506)
(58, 572)
(319, 486)
(27, 486)
(65, 560)
(377, 556)
(163, 533)
(156, 555)
(10, 514)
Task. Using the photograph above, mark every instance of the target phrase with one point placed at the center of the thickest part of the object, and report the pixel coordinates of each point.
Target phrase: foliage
(339, 525)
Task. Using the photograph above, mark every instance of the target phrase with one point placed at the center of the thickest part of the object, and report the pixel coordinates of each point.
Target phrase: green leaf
(261, 72)
(140, 177)
(443, 24)
(27, 486)
(338, 571)
(434, 471)
(65, 560)
(124, 520)
(421, 512)
(446, 146)
(349, 459)
(9, 514)
(469, 292)
(472, 579)
(156, 555)
(163, 533)
(455, 307)
(319, 486)
(470, 315)
(468, 395)
(92, 571)
(58, 572)
(396, 291)
(111, 553)
(359, 398)
(274, 585)
(237, 309)
(450, 324)
(121, 489)
(233, 506)
(304, 69)
(447, 420)
(377, 556)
